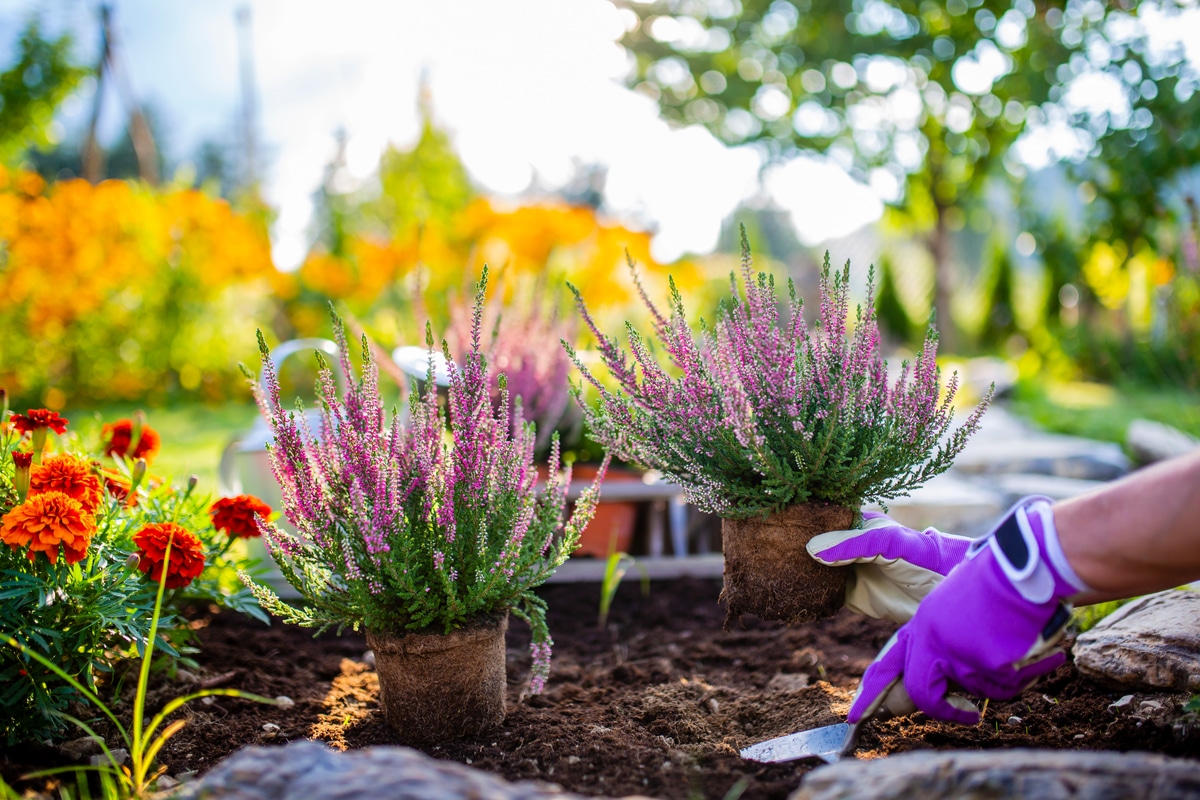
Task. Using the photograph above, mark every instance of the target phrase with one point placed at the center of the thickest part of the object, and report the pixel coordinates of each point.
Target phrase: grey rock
(1019, 485)
(1150, 644)
(1005, 774)
(1124, 702)
(312, 771)
(1151, 441)
(119, 754)
(1044, 454)
(949, 504)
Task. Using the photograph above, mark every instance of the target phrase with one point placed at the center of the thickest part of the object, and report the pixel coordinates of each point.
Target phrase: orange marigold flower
(235, 515)
(39, 418)
(119, 435)
(187, 553)
(118, 489)
(70, 475)
(47, 521)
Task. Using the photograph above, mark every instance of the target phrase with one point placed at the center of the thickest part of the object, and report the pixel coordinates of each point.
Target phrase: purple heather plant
(424, 525)
(537, 375)
(760, 412)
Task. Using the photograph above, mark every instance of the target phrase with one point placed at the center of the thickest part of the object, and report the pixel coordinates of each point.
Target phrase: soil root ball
(769, 573)
(436, 687)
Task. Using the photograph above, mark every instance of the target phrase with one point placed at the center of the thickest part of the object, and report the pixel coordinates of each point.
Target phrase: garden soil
(657, 703)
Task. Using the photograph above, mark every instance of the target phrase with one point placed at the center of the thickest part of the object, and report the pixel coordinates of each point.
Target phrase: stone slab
(1044, 454)
(1152, 644)
(1005, 775)
(1151, 441)
(309, 770)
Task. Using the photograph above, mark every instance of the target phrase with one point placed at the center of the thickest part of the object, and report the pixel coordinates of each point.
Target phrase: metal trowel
(832, 743)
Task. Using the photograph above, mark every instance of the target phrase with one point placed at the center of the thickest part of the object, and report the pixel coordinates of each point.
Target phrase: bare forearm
(1140, 534)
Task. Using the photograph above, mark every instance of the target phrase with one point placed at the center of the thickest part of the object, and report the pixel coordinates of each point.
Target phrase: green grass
(1100, 411)
(193, 436)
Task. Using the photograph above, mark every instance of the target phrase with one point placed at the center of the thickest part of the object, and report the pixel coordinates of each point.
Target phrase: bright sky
(524, 87)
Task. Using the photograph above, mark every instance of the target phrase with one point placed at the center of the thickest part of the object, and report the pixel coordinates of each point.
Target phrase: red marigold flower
(235, 515)
(187, 553)
(39, 418)
(47, 521)
(119, 435)
(70, 475)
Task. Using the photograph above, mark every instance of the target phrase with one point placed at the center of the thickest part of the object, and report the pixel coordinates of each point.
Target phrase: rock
(1004, 774)
(1150, 644)
(1151, 441)
(1043, 454)
(1014, 720)
(1124, 702)
(119, 754)
(284, 701)
(949, 504)
(310, 770)
(78, 749)
(1019, 485)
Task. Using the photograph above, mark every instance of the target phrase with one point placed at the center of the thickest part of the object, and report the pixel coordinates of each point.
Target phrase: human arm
(988, 625)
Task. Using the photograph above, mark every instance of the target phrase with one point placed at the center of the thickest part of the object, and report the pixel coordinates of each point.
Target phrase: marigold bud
(136, 476)
(23, 463)
(133, 561)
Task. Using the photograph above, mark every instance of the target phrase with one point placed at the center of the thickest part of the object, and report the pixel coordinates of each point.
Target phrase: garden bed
(657, 704)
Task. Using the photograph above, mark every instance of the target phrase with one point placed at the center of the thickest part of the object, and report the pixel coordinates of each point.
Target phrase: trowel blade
(823, 743)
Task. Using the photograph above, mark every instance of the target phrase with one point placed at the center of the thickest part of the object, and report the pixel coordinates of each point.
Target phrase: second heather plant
(760, 412)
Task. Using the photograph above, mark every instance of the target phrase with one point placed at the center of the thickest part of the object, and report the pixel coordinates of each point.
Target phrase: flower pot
(612, 526)
(435, 687)
(768, 572)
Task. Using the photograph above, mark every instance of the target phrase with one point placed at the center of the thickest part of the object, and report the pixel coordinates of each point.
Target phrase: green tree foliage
(42, 76)
(893, 316)
(924, 96)
(999, 304)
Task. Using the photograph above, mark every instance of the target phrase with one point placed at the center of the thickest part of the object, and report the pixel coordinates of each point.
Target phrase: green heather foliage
(423, 525)
(759, 412)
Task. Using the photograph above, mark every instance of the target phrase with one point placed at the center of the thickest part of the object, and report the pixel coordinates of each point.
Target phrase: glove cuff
(1027, 550)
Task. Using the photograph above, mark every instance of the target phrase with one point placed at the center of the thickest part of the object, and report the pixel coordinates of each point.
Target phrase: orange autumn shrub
(120, 291)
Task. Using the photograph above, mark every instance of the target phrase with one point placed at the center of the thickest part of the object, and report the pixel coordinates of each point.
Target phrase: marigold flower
(118, 489)
(187, 553)
(47, 521)
(235, 515)
(70, 475)
(39, 418)
(119, 435)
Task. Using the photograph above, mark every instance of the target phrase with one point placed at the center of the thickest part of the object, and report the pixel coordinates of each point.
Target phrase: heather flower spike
(420, 523)
(760, 411)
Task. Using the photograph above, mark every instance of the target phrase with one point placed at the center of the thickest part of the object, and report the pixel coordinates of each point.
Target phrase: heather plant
(536, 375)
(420, 526)
(82, 549)
(759, 412)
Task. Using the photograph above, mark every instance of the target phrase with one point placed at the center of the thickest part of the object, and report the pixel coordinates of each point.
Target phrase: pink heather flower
(760, 410)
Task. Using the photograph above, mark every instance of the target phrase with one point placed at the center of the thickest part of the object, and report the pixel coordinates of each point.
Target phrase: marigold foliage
(68, 585)
(419, 524)
(760, 412)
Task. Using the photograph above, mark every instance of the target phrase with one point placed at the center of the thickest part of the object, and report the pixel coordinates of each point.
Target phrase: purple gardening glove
(894, 566)
(987, 626)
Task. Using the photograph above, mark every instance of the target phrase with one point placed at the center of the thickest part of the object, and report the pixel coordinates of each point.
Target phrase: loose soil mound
(656, 704)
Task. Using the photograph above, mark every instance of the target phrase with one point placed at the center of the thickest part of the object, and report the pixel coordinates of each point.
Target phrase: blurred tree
(999, 311)
(893, 316)
(43, 74)
(920, 99)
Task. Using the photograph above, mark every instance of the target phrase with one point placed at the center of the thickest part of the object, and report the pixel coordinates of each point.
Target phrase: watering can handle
(294, 346)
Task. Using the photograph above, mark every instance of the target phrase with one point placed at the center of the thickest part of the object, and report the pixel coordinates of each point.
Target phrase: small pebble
(186, 775)
(120, 755)
(1150, 705)
(208, 701)
(1079, 736)
(165, 783)
(1014, 720)
(285, 701)
(1122, 703)
(270, 727)
(713, 705)
(369, 658)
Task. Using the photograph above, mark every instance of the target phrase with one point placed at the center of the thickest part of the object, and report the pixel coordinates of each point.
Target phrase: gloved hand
(988, 626)
(894, 566)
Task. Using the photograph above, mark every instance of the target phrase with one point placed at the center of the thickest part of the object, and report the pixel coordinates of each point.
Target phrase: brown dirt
(768, 571)
(657, 704)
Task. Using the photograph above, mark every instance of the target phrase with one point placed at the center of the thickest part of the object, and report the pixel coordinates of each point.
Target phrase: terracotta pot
(435, 687)
(611, 529)
(768, 572)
